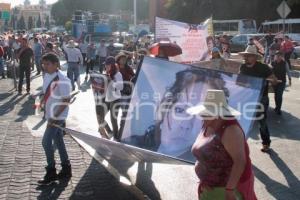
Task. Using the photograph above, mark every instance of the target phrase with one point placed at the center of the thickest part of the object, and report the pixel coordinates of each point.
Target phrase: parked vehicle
(239, 42)
(292, 28)
(234, 27)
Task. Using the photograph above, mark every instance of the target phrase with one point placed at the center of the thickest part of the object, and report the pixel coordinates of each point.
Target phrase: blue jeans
(1, 66)
(73, 73)
(53, 137)
(37, 60)
(279, 89)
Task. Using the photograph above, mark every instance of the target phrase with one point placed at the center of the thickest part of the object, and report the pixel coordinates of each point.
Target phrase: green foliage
(63, 10)
(195, 11)
(30, 23)
(21, 23)
(39, 22)
(47, 23)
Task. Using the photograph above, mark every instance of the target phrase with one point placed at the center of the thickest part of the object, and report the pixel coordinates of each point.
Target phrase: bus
(292, 27)
(234, 27)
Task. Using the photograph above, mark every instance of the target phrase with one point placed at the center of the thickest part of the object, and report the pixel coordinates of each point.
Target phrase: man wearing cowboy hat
(252, 67)
(74, 58)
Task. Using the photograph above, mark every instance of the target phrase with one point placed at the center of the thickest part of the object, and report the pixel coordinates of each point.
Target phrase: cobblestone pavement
(22, 160)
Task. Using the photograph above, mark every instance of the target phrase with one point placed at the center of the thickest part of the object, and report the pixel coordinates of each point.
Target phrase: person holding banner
(57, 89)
(113, 94)
(223, 163)
(257, 69)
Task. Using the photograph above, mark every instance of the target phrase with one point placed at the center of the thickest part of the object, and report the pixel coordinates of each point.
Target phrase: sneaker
(265, 148)
(66, 172)
(50, 177)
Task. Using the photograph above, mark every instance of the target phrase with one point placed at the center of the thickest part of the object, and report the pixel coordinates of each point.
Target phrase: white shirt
(74, 55)
(60, 90)
(114, 88)
(83, 47)
(102, 51)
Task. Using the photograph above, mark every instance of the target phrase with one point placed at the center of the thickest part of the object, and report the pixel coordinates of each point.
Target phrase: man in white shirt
(102, 53)
(74, 58)
(57, 93)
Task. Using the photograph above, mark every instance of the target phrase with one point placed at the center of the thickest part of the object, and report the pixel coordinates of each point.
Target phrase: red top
(287, 46)
(214, 163)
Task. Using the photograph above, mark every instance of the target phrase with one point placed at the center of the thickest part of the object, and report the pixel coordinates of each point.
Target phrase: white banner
(190, 37)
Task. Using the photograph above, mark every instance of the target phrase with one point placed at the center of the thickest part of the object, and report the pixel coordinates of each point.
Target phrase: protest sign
(154, 123)
(190, 37)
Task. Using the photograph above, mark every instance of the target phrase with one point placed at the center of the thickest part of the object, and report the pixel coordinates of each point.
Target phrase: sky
(18, 2)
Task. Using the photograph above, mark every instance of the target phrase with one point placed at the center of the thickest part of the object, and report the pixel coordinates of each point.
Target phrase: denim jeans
(1, 66)
(279, 89)
(52, 139)
(37, 60)
(73, 73)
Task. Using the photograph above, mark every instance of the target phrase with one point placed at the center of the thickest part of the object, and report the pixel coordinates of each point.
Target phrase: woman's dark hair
(51, 57)
(173, 93)
(112, 72)
(49, 45)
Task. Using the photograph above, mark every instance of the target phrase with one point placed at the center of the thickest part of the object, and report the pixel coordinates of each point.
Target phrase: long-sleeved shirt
(91, 53)
(73, 55)
(114, 88)
(102, 51)
(83, 47)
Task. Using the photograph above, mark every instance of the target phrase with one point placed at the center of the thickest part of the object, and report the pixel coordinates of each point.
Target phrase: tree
(68, 26)
(30, 23)
(196, 11)
(63, 10)
(39, 22)
(47, 23)
(21, 23)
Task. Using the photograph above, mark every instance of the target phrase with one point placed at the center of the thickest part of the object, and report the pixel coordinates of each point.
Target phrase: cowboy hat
(215, 104)
(72, 44)
(119, 56)
(250, 50)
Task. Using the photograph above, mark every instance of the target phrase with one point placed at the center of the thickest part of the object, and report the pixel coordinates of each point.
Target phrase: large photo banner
(157, 119)
(190, 37)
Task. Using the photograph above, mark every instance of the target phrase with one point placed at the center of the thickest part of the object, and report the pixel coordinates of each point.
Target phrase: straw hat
(71, 44)
(251, 50)
(120, 55)
(214, 105)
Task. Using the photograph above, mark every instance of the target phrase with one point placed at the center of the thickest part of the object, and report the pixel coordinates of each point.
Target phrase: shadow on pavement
(11, 103)
(144, 181)
(272, 186)
(284, 126)
(26, 110)
(52, 191)
(98, 183)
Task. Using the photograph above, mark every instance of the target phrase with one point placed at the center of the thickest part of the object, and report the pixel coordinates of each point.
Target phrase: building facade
(35, 16)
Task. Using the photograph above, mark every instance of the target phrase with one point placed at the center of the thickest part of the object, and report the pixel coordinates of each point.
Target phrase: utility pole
(135, 12)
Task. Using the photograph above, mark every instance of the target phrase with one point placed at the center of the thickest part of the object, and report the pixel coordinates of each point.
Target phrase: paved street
(22, 157)
(22, 160)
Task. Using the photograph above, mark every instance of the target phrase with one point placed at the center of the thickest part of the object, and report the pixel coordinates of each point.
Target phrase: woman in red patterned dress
(223, 164)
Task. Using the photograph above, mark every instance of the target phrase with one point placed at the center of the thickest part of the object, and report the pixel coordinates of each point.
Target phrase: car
(239, 42)
(296, 52)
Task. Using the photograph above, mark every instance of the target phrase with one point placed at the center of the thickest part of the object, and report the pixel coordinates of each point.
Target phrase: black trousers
(24, 71)
(114, 107)
(101, 64)
(263, 126)
(90, 66)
